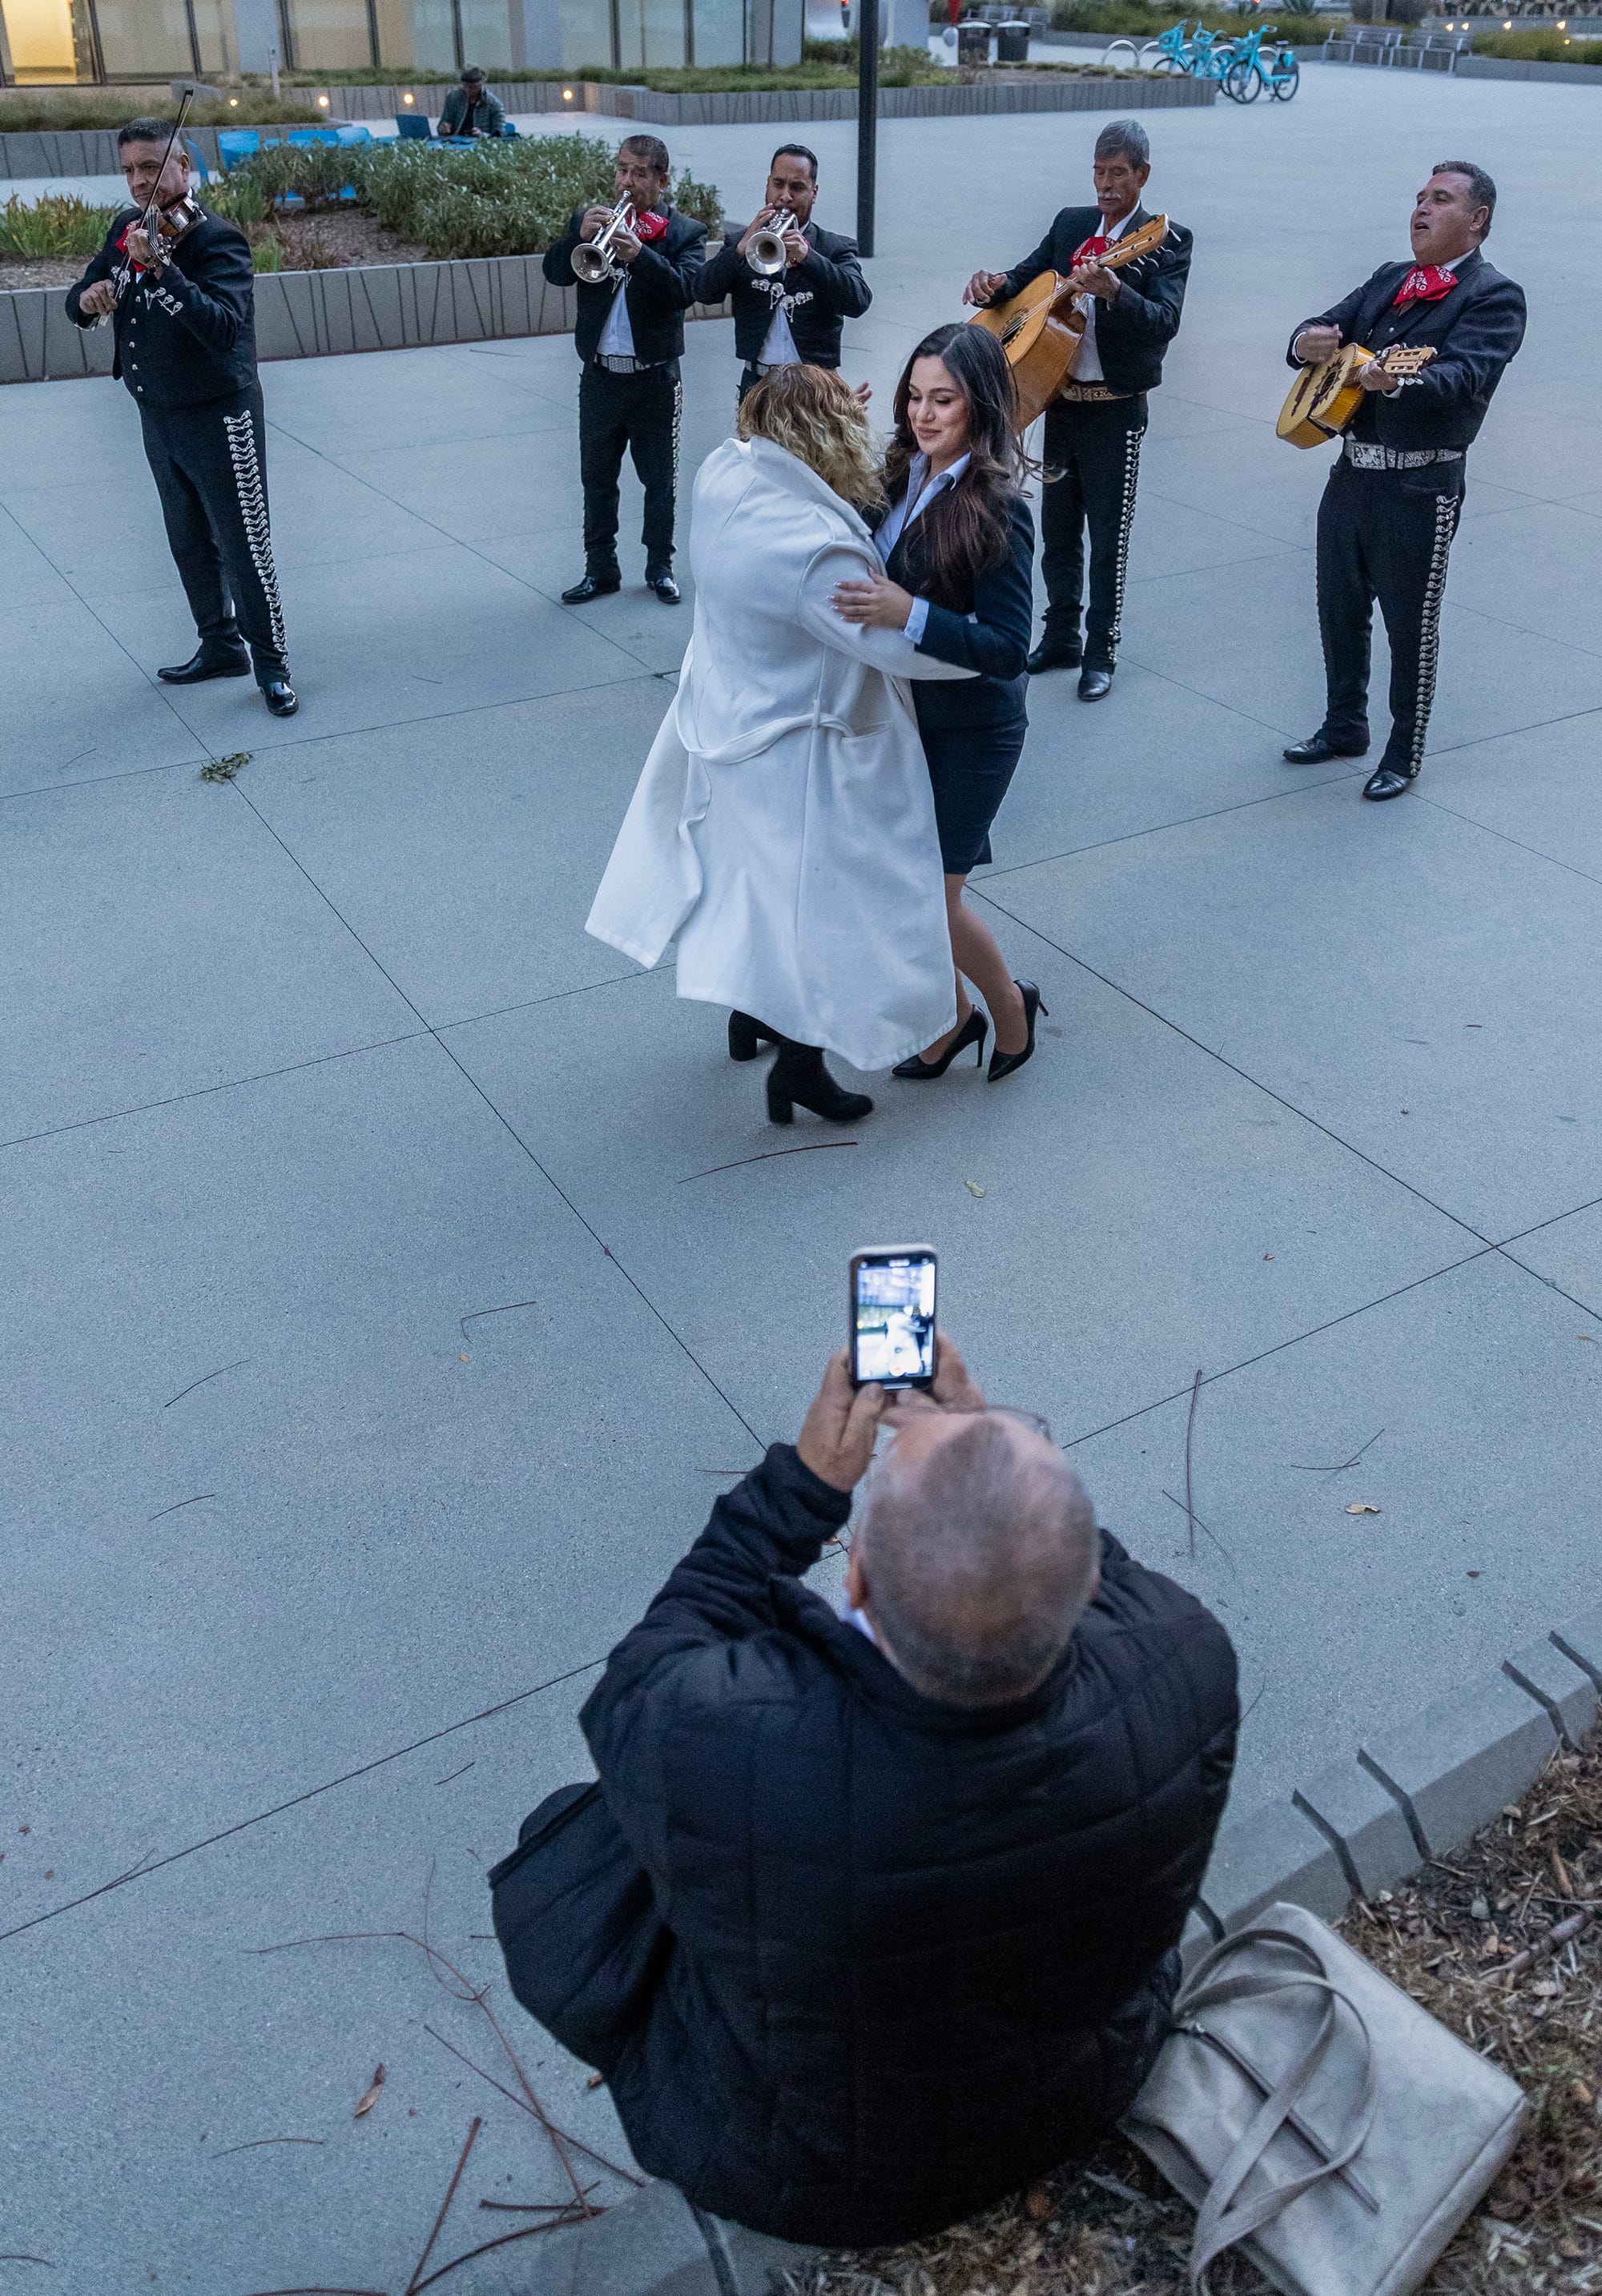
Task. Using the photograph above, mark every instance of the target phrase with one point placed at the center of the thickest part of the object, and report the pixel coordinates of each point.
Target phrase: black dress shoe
(1389, 780)
(1004, 1063)
(799, 1074)
(666, 588)
(209, 661)
(971, 1032)
(281, 698)
(1051, 653)
(1094, 681)
(593, 585)
(746, 1037)
(1317, 747)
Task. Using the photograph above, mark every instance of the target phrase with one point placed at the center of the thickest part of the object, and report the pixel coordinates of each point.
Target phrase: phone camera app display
(895, 1321)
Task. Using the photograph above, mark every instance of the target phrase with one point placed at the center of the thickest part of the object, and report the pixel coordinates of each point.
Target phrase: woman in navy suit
(959, 545)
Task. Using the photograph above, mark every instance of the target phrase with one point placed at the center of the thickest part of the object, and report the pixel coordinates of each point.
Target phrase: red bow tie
(1088, 250)
(1427, 284)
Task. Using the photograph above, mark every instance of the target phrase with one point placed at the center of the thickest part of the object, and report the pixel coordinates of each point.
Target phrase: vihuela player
(1395, 495)
(185, 332)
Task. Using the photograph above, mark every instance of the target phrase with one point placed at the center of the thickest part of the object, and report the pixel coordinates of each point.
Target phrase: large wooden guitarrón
(1040, 329)
(1324, 398)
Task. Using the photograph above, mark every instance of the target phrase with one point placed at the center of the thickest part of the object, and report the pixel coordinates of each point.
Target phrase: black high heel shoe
(1004, 1063)
(799, 1074)
(746, 1037)
(973, 1031)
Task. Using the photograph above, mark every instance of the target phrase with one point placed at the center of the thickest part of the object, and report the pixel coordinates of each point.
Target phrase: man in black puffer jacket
(870, 1919)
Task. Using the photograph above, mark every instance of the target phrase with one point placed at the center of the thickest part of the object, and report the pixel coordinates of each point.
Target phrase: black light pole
(867, 119)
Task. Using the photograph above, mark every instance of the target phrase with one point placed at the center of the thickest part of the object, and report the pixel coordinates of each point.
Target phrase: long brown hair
(816, 416)
(968, 527)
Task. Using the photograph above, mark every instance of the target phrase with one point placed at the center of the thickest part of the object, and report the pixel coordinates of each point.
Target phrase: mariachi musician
(183, 317)
(1395, 494)
(630, 337)
(1093, 427)
(792, 315)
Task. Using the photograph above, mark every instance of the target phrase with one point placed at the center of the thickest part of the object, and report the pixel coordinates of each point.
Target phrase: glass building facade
(58, 41)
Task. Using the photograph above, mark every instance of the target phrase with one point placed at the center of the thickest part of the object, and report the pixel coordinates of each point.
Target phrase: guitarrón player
(1395, 494)
(1093, 427)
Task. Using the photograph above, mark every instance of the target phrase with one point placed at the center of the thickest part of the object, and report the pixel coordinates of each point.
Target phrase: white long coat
(783, 825)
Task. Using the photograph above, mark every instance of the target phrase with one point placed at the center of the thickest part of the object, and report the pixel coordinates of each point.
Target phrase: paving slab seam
(1518, 843)
(98, 780)
(295, 1801)
(551, 597)
(1409, 1796)
(1526, 630)
(228, 1084)
(1537, 725)
(1551, 1282)
(1235, 1069)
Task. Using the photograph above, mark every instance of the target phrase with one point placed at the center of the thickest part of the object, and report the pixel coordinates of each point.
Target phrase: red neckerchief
(1426, 283)
(138, 269)
(1088, 250)
(650, 226)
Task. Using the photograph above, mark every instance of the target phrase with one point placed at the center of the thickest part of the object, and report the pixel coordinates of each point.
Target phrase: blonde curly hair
(817, 417)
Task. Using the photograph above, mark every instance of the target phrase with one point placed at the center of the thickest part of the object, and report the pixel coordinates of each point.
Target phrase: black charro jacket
(662, 284)
(883, 1960)
(1476, 330)
(818, 295)
(188, 335)
(991, 634)
(1134, 331)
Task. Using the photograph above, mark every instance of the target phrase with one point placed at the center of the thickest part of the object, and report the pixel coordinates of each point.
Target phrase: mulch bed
(326, 241)
(1110, 2228)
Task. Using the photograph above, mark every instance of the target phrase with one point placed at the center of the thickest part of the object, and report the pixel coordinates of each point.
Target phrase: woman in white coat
(783, 826)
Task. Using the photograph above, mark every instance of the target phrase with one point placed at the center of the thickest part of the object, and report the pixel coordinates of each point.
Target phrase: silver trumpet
(592, 259)
(766, 254)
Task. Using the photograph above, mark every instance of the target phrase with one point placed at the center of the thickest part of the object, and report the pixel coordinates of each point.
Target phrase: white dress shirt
(617, 336)
(778, 344)
(921, 491)
(1085, 367)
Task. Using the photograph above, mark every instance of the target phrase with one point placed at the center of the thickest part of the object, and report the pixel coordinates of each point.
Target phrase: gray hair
(1124, 139)
(1482, 191)
(979, 1566)
(147, 131)
(651, 150)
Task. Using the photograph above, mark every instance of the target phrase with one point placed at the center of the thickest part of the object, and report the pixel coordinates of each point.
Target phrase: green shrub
(54, 225)
(703, 202)
(239, 197)
(266, 254)
(1546, 47)
(1141, 21)
(23, 112)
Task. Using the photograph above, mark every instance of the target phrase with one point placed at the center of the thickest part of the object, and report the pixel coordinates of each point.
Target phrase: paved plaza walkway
(310, 1555)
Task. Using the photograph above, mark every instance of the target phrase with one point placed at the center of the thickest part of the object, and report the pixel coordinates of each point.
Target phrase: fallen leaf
(464, 1359)
(371, 2098)
(595, 2080)
(1473, 1574)
(1570, 2248)
(1268, 1255)
(1037, 2203)
(1562, 1872)
(973, 1187)
(1361, 1506)
(1589, 1336)
(1581, 2092)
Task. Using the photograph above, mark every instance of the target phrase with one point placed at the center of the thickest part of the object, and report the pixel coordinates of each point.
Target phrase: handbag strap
(1223, 2219)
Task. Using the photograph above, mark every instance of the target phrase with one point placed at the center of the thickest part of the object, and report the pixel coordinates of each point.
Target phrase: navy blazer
(661, 287)
(1476, 330)
(992, 638)
(1133, 331)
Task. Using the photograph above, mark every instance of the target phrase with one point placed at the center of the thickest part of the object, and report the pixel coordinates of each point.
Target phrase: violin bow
(150, 223)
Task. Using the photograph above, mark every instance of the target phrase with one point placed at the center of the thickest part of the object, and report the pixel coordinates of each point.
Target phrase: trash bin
(1012, 43)
(972, 42)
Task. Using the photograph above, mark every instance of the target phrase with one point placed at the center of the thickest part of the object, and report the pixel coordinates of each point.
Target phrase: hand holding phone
(891, 1315)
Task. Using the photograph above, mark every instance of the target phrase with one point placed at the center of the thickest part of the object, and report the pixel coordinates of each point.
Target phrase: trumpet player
(793, 284)
(636, 268)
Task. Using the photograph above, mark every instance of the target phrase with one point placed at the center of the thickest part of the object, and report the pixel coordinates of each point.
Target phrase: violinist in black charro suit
(1395, 494)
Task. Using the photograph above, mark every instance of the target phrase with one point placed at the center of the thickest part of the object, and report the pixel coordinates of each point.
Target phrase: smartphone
(892, 1316)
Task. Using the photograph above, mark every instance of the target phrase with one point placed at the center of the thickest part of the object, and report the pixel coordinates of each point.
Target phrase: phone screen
(892, 1316)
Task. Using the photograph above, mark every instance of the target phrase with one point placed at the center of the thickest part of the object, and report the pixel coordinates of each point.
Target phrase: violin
(165, 227)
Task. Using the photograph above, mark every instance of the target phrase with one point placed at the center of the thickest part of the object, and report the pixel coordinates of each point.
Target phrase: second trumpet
(594, 259)
(766, 254)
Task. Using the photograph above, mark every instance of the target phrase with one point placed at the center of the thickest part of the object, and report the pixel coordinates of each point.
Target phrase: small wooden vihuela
(1324, 398)
(1040, 330)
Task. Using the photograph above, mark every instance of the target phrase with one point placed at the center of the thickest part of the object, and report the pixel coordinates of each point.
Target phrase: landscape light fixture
(408, 97)
(567, 95)
(234, 102)
(323, 103)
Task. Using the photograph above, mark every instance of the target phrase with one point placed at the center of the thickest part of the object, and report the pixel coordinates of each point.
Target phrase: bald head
(977, 1556)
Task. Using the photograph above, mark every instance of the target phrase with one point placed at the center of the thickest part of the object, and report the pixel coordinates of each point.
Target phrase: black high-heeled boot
(799, 1074)
(1004, 1063)
(746, 1037)
(973, 1031)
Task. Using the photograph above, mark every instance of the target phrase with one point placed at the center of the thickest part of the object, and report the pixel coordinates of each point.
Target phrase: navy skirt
(971, 768)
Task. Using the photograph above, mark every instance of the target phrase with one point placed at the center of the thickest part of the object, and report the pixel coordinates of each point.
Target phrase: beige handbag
(1316, 2117)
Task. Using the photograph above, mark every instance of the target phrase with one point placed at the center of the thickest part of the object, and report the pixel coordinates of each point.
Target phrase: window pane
(486, 34)
(652, 32)
(586, 34)
(416, 36)
(211, 28)
(329, 34)
(720, 32)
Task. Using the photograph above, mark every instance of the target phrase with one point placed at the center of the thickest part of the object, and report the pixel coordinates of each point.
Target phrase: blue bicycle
(1247, 73)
